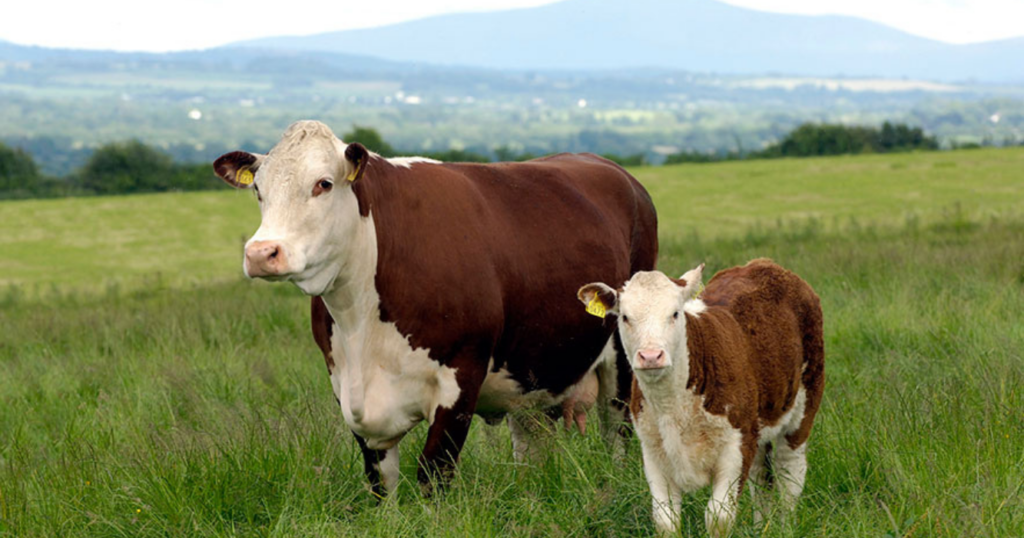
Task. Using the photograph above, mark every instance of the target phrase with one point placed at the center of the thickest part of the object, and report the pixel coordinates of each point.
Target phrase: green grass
(725, 199)
(201, 406)
(127, 242)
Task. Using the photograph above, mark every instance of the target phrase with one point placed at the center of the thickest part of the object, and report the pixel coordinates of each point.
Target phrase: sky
(133, 25)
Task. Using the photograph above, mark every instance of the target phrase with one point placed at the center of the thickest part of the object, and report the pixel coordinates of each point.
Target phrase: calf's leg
(666, 498)
(760, 475)
(790, 472)
(730, 472)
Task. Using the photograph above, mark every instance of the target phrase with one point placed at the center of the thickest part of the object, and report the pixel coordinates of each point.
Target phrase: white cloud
(194, 24)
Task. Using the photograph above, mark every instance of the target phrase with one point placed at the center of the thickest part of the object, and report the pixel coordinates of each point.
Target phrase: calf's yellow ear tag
(596, 307)
(244, 177)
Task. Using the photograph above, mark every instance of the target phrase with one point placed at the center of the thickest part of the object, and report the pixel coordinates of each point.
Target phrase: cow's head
(304, 188)
(651, 316)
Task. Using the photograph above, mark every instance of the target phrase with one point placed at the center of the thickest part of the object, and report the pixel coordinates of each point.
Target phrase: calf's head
(651, 316)
(304, 188)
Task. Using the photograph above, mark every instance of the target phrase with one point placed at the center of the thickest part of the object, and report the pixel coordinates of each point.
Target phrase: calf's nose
(264, 258)
(651, 358)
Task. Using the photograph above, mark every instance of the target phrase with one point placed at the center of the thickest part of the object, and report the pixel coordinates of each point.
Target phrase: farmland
(146, 389)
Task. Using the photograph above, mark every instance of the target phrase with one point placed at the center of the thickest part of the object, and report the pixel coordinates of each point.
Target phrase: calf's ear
(599, 298)
(238, 168)
(357, 156)
(691, 282)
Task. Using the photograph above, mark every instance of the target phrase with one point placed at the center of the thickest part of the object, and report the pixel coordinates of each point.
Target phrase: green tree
(637, 159)
(18, 172)
(370, 138)
(457, 156)
(127, 167)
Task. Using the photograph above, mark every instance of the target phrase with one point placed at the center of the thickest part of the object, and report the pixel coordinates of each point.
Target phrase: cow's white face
(651, 317)
(306, 202)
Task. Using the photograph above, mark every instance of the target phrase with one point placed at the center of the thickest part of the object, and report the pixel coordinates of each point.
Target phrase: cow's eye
(675, 315)
(625, 319)
(322, 186)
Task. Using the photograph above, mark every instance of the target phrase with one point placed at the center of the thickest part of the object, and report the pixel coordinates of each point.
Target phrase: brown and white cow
(443, 290)
(720, 380)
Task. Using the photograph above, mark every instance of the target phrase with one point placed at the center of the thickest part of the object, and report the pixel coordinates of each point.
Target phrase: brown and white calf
(719, 381)
(444, 290)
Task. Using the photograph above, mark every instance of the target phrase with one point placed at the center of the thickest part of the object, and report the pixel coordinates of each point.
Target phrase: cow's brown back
(490, 256)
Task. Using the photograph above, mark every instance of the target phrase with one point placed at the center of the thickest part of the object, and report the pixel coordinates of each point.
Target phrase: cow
(444, 290)
(719, 380)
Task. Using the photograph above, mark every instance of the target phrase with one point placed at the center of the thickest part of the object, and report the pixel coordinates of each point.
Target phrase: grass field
(195, 403)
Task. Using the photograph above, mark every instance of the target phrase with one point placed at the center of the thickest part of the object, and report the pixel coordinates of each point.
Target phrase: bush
(19, 174)
(133, 167)
(370, 138)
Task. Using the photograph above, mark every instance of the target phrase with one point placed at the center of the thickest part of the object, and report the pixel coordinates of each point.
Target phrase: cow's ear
(599, 298)
(692, 282)
(238, 168)
(356, 156)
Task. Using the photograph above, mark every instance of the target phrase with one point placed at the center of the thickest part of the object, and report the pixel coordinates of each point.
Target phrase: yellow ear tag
(244, 177)
(596, 307)
(352, 176)
(700, 290)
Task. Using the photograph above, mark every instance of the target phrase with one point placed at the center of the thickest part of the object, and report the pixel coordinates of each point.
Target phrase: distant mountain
(249, 58)
(693, 35)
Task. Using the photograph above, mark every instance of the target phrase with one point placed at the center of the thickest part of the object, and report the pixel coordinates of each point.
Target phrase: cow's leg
(730, 471)
(527, 431)
(615, 382)
(611, 399)
(790, 466)
(381, 467)
(450, 427)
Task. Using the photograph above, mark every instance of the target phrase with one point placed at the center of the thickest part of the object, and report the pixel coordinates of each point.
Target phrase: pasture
(146, 389)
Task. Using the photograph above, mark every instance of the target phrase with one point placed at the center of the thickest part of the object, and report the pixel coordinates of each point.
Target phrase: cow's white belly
(384, 386)
(500, 393)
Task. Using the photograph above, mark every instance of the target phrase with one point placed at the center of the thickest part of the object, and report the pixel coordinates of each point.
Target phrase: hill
(694, 35)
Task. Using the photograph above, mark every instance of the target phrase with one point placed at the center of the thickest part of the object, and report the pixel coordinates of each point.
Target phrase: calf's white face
(651, 311)
(306, 201)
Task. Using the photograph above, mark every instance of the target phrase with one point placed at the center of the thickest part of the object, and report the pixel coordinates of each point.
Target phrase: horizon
(951, 21)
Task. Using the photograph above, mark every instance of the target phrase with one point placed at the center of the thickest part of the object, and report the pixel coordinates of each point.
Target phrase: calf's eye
(625, 319)
(675, 315)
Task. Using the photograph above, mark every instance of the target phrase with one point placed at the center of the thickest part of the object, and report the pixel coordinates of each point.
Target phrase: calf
(719, 380)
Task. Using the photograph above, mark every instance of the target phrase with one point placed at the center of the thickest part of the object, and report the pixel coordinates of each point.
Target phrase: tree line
(134, 167)
(821, 139)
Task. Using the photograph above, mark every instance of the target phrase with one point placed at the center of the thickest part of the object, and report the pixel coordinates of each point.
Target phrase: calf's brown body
(751, 376)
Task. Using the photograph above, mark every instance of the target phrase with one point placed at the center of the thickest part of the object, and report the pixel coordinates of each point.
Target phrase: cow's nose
(651, 358)
(264, 258)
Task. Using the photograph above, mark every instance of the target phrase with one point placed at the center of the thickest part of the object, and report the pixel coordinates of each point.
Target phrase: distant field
(724, 199)
(195, 403)
(131, 241)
